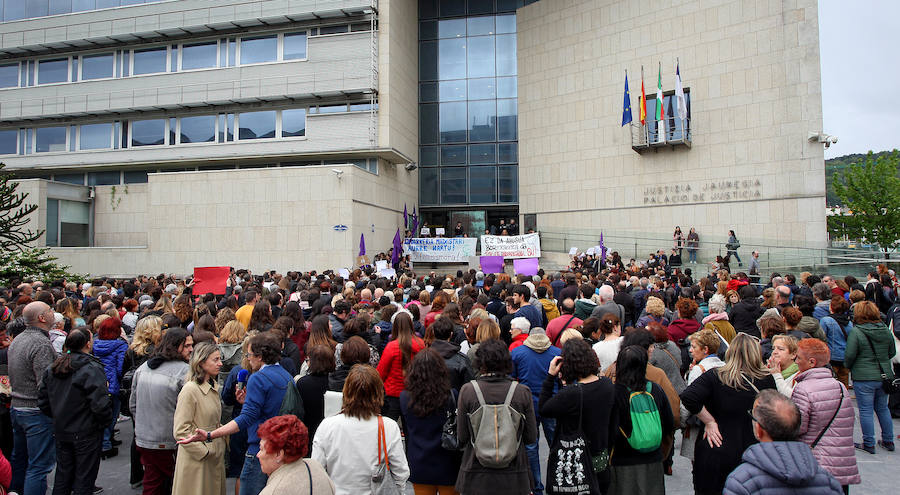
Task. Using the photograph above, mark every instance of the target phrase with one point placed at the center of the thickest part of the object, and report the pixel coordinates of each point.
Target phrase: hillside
(835, 165)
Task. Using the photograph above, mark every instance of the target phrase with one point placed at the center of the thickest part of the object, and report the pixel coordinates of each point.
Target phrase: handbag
(383, 481)
(890, 386)
(570, 468)
(836, 411)
(449, 438)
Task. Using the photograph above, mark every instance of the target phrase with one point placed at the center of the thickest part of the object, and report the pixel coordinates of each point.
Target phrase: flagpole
(643, 108)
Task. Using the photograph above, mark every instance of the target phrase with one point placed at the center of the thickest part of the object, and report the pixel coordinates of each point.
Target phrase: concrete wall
(753, 73)
(120, 217)
(398, 76)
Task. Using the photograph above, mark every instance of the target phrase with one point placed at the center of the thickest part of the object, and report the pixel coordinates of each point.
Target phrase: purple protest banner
(526, 266)
(492, 264)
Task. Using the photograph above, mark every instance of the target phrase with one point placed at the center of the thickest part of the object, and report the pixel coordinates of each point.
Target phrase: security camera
(411, 166)
(338, 172)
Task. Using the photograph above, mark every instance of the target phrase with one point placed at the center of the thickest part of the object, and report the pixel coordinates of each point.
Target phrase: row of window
(472, 121)
(225, 52)
(429, 9)
(266, 124)
(14, 10)
(468, 185)
(468, 89)
(460, 58)
(473, 154)
(471, 26)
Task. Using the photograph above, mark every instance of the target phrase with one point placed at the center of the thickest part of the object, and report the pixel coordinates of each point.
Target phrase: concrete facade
(752, 70)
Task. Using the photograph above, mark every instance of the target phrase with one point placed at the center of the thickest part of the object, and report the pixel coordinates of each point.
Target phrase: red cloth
(430, 317)
(735, 284)
(5, 472)
(210, 279)
(556, 326)
(681, 328)
(391, 365)
(517, 341)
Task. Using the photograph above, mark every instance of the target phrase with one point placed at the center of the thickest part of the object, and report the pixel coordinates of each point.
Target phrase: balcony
(677, 132)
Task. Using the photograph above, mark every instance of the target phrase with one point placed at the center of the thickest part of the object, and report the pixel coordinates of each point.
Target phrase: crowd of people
(313, 383)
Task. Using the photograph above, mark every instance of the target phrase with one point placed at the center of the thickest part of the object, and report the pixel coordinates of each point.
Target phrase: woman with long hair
(313, 386)
(261, 318)
(585, 402)
(74, 394)
(110, 349)
(183, 310)
(293, 311)
(634, 471)
(345, 444)
(320, 333)
(358, 326)
(399, 352)
(200, 466)
(487, 329)
(224, 315)
(441, 300)
(147, 334)
(424, 404)
(721, 399)
(69, 310)
(607, 349)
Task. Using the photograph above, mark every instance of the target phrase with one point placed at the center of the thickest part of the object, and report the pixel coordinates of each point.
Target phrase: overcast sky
(860, 74)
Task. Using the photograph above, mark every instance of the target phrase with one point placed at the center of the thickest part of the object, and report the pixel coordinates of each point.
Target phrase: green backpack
(646, 425)
(292, 402)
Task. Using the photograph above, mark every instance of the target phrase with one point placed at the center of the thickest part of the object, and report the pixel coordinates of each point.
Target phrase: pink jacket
(818, 394)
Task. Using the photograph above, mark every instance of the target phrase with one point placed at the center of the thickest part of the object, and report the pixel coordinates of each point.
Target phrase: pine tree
(14, 213)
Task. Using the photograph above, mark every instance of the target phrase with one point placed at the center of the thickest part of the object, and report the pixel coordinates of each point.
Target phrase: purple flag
(492, 264)
(398, 247)
(415, 226)
(526, 266)
(602, 248)
(405, 217)
(362, 245)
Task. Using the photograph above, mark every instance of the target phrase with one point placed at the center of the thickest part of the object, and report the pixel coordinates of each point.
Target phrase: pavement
(876, 470)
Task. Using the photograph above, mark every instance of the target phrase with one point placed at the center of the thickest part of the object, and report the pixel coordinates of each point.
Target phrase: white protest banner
(381, 265)
(511, 246)
(439, 249)
(573, 251)
(345, 273)
(439, 231)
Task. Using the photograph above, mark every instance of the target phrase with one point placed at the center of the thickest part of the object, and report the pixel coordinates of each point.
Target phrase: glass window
(149, 61)
(52, 234)
(200, 129)
(453, 185)
(428, 123)
(428, 9)
(453, 155)
(452, 7)
(482, 154)
(428, 186)
(199, 56)
(452, 59)
(362, 107)
(50, 139)
(481, 56)
(295, 46)
(332, 108)
(60, 7)
(53, 71)
(453, 122)
(506, 55)
(480, 25)
(77, 179)
(428, 60)
(136, 177)
(452, 28)
(482, 120)
(506, 24)
(14, 10)
(74, 223)
(110, 178)
(483, 184)
(508, 184)
(483, 7)
(9, 141)
(428, 30)
(508, 152)
(452, 90)
(259, 50)
(35, 8)
(428, 156)
(148, 132)
(293, 122)
(96, 66)
(9, 75)
(482, 89)
(507, 87)
(256, 125)
(96, 136)
(508, 120)
(428, 92)
(340, 28)
(82, 5)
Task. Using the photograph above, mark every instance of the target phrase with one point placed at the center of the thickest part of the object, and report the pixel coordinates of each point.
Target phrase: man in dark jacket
(496, 306)
(779, 463)
(458, 365)
(570, 291)
(745, 313)
(522, 296)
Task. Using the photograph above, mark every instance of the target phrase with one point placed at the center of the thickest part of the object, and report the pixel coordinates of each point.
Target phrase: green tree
(870, 192)
(14, 213)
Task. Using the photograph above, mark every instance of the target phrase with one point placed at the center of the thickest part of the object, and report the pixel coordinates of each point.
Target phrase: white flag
(680, 102)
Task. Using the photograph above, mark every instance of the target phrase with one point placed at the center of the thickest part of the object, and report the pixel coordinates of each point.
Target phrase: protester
(720, 399)
(685, 324)
(565, 320)
(110, 348)
(200, 467)
(154, 397)
(346, 445)
(776, 422)
(717, 320)
(283, 442)
(392, 367)
(312, 387)
(781, 363)
(665, 355)
(74, 393)
(425, 405)
(494, 384)
(608, 349)
(837, 327)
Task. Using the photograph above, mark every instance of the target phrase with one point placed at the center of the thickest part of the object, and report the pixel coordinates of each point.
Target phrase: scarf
(842, 319)
(715, 317)
(790, 370)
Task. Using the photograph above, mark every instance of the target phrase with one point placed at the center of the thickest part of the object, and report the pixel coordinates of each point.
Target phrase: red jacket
(735, 284)
(681, 328)
(517, 341)
(391, 366)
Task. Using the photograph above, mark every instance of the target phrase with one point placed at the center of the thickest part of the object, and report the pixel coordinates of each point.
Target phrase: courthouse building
(162, 135)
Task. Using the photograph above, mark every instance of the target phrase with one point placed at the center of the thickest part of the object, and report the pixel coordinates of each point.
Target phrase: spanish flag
(643, 103)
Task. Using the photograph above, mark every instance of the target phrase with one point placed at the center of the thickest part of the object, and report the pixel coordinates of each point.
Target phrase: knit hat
(171, 288)
(537, 340)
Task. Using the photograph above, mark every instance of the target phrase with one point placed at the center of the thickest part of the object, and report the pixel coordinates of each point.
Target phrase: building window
(256, 125)
(53, 71)
(428, 186)
(483, 184)
(77, 179)
(96, 136)
(294, 46)
(9, 141)
(9, 75)
(68, 223)
(293, 123)
(150, 61)
(199, 56)
(508, 184)
(148, 132)
(50, 139)
(97, 66)
(136, 177)
(201, 129)
(109, 178)
(259, 50)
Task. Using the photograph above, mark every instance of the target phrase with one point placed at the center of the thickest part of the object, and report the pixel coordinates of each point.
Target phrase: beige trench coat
(200, 466)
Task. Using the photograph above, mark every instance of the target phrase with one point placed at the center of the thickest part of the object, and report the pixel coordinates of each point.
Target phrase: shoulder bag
(836, 411)
(890, 386)
(570, 467)
(449, 437)
(383, 482)
(561, 330)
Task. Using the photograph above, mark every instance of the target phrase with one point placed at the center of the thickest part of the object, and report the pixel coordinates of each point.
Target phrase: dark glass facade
(468, 103)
